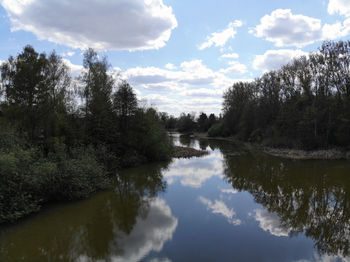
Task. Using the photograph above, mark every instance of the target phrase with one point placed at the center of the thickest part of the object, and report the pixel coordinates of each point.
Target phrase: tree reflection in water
(126, 224)
(307, 196)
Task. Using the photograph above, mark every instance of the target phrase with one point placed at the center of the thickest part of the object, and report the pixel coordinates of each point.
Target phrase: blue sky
(178, 55)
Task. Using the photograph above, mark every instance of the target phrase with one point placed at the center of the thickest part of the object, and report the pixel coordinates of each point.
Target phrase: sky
(178, 55)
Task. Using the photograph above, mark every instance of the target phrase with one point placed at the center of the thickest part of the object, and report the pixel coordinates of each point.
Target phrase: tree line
(187, 123)
(305, 104)
(63, 138)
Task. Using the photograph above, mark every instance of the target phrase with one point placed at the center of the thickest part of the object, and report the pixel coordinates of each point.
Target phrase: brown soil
(187, 152)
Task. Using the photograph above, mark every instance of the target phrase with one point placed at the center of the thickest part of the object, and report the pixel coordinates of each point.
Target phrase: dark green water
(226, 206)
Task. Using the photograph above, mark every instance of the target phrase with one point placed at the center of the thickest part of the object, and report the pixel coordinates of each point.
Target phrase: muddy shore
(187, 152)
(297, 154)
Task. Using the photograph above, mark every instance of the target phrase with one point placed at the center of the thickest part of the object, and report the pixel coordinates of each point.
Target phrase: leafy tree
(202, 122)
(124, 104)
(186, 123)
(304, 104)
(35, 93)
(51, 149)
(98, 85)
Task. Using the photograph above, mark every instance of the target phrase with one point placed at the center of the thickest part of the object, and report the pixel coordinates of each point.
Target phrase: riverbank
(329, 154)
(296, 154)
(187, 152)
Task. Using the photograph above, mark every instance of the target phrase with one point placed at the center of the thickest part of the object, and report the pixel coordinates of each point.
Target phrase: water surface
(230, 205)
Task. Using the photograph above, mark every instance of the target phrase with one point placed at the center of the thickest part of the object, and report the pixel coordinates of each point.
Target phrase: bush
(147, 139)
(27, 179)
(218, 129)
(80, 175)
(16, 199)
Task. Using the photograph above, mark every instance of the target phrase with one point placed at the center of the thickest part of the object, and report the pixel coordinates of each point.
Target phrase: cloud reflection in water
(195, 172)
(219, 207)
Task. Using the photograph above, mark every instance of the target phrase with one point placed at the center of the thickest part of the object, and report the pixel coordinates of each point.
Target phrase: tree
(304, 104)
(124, 104)
(186, 123)
(202, 122)
(212, 119)
(98, 85)
(35, 92)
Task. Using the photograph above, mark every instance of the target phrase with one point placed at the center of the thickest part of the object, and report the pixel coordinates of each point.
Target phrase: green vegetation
(187, 123)
(305, 104)
(53, 148)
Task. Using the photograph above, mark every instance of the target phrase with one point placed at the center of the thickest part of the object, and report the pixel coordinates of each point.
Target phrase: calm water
(230, 205)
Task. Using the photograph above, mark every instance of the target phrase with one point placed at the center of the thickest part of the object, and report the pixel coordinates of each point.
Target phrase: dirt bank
(323, 154)
(186, 152)
(329, 154)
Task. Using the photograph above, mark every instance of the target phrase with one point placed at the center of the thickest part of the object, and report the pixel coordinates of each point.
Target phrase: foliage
(188, 123)
(97, 94)
(218, 129)
(124, 104)
(53, 149)
(36, 97)
(27, 179)
(304, 104)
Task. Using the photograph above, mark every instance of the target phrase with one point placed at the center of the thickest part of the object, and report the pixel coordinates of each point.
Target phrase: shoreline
(297, 154)
(294, 154)
(188, 152)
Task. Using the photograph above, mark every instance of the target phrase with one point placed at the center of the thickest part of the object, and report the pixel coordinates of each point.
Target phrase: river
(230, 205)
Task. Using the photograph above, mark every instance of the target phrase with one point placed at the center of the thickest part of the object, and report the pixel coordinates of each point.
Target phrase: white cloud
(203, 92)
(286, 29)
(219, 207)
(219, 39)
(158, 100)
(191, 74)
(197, 73)
(176, 91)
(274, 59)
(229, 191)
(148, 75)
(337, 30)
(69, 54)
(170, 66)
(235, 68)
(75, 69)
(103, 25)
(270, 222)
(225, 49)
(230, 55)
(341, 7)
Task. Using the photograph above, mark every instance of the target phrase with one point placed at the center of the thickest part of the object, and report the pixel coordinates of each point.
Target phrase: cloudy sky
(179, 55)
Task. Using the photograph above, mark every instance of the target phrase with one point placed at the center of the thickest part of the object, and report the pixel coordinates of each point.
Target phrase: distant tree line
(189, 122)
(305, 104)
(58, 142)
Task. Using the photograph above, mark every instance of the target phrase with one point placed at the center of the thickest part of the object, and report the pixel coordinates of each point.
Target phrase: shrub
(28, 179)
(218, 129)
